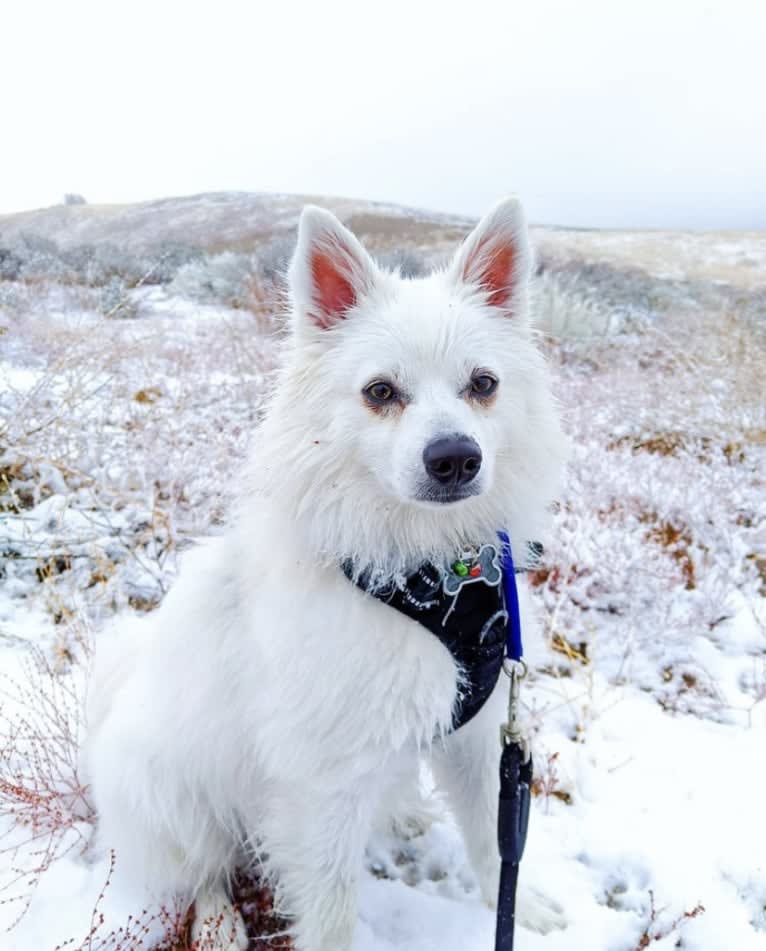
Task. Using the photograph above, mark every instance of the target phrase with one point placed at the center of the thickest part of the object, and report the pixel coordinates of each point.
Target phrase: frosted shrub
(272, 259)
(41, 259)
(565, 309)
(218, 279)
(99, 265)
(155, 265)
(116, 301)
(12, 296)
(404, 261)
(10, 265)
(586, 299)
(165, 260)
(33, 258)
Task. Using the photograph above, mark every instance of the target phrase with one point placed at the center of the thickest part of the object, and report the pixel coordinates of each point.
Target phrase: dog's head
(418, 404)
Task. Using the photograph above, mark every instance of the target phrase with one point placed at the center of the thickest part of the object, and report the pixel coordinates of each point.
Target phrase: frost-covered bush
(218, 279)
(97, 265)
(403, 260)
(751, 308)
(72, 198)
(10, 265)
(564, 307)
(41, 259)
(11, 296)
(252, 282)
(166, 259)
(31, 257)
(34, 258)
(107, 262)
(273, 259)
(116, 300)
(83, 262)
(608, 299)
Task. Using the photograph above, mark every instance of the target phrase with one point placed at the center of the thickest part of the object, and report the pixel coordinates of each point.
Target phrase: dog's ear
(330, 270)
(496, 258)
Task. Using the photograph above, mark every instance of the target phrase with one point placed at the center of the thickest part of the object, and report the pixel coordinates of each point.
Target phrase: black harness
(463, 605)
(467, 605)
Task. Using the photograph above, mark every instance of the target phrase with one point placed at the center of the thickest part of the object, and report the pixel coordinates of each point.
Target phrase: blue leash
(513, 645)
(515, 767)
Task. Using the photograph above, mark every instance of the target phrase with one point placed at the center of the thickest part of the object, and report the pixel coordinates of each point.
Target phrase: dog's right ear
(330, 270)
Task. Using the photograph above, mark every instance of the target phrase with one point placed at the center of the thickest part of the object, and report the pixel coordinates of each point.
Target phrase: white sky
(597, 113)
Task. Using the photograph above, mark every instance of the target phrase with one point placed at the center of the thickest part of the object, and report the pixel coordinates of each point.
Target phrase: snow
(646, 699)
(659, 803)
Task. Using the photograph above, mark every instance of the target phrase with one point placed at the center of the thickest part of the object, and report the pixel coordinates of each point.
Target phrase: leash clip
(512, 732)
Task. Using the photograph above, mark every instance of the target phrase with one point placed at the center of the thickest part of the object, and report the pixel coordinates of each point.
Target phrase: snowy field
(126, 407)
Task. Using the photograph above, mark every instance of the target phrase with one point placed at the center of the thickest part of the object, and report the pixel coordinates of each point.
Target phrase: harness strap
(513, 647)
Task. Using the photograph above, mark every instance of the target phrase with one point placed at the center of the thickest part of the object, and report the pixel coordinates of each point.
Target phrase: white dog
(270, 704)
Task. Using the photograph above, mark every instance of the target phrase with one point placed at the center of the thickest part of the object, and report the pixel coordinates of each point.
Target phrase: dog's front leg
(466, 765)
(315, 842)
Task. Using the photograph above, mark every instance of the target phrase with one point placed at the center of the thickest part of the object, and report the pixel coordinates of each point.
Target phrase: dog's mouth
(445, 495)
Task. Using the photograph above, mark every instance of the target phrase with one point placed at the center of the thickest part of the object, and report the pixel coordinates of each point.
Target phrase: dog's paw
(417, 817)
(538, 912)
(218, 926)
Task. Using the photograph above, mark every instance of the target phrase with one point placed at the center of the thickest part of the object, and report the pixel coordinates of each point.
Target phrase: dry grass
(658, 929)
(43, 800)
(170, 928)
(736, 258)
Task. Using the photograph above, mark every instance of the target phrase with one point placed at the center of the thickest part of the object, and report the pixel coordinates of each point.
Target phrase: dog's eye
(483, 385)
(380, 392)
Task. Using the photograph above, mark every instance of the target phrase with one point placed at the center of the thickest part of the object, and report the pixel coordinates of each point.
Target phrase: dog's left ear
(496, 258)
(330, 270)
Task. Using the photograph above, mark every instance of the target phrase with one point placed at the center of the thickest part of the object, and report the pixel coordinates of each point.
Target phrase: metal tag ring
(515, 668)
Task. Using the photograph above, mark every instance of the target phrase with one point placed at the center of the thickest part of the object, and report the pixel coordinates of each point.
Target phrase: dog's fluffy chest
(341, 666)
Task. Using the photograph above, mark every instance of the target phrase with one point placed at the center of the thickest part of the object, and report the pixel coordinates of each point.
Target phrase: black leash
(513, 811)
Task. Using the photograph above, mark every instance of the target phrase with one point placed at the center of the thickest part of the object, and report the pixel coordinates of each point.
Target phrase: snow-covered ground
(120, 441)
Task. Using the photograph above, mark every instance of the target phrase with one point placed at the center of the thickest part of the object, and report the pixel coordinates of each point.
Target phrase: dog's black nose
(452, 460)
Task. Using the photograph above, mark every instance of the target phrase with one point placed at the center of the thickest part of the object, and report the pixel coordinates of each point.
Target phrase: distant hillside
(223, 221)
(243, 221)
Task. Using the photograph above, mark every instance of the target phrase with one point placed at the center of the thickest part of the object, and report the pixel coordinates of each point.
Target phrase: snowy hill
(215, 221)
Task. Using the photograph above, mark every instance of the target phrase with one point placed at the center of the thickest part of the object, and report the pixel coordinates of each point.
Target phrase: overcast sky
(596, 113)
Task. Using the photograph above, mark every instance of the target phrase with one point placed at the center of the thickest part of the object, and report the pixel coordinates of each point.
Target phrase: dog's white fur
(269, 705)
